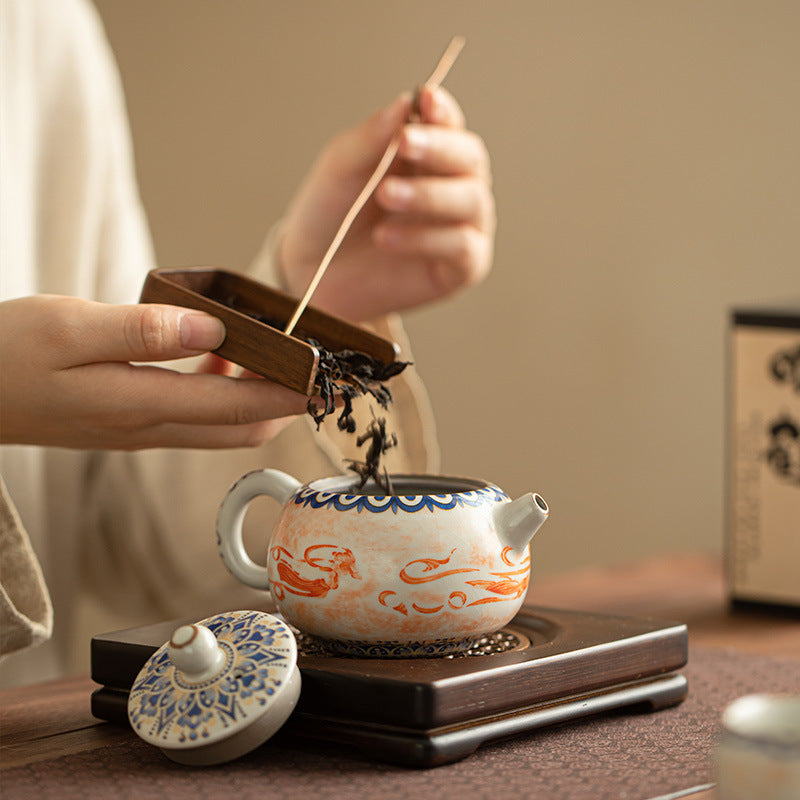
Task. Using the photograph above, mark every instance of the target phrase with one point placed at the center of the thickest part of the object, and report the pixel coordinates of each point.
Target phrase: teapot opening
(402, 486)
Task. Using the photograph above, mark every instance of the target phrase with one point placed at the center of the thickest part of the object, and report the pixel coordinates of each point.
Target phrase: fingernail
(415, 143)
(396, 193)
(201, 331)
(439, 110)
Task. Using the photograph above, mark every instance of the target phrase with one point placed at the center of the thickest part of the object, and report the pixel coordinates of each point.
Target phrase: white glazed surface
(379, 572)
(759, 751)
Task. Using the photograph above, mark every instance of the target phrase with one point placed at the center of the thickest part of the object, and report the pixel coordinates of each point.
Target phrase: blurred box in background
(763, 482)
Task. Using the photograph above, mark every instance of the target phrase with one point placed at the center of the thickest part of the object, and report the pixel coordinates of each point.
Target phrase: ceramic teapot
(424, 571)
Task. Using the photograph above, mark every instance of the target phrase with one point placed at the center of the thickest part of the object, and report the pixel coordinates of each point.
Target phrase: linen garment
(117, 539)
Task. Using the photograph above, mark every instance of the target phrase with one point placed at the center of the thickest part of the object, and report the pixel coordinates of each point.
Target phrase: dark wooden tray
(425, 712)
(237, 300)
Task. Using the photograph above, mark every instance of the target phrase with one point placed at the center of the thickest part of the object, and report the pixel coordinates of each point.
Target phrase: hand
(66, 380)
(428, 229)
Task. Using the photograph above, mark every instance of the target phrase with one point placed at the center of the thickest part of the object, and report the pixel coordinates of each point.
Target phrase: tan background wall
(647, 175)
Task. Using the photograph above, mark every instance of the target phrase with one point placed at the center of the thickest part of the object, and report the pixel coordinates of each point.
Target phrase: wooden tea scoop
(437, 76)
(243, 305)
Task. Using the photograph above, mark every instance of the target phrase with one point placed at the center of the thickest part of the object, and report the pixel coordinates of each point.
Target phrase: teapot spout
(517, 522)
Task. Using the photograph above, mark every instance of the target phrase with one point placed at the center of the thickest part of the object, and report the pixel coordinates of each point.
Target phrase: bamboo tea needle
(437, 76)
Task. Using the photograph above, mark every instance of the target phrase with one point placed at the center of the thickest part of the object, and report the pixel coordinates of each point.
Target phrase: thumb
(360, 148)
(151, 332)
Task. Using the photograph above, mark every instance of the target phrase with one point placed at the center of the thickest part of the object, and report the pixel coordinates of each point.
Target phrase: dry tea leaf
(379, 443)
(349, 374)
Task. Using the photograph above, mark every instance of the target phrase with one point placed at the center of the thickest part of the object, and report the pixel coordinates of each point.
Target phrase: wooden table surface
(687, 588)
(43, 721)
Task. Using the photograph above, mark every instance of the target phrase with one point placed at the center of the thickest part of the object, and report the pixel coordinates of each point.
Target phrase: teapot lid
(218, 689)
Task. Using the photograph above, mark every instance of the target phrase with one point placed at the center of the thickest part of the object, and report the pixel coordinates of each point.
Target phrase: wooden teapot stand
(548, 666)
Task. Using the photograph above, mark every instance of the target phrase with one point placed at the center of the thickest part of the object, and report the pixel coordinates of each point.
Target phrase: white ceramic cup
(758, 755)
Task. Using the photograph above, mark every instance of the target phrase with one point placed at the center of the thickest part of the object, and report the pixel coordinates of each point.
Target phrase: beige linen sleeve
(26, 615)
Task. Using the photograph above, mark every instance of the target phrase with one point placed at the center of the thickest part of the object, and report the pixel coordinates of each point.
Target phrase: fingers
(440, 259)
(444, 151)
(87, 332)
(451, 175)
(438, 107)
(153, 332)
(210, 437)
(358, 149)
(440, 200)
(142, 396)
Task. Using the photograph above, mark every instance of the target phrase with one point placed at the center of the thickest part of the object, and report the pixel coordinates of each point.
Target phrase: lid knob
(194, 651)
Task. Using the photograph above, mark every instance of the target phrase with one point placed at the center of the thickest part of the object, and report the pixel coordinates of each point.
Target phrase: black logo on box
(783, 454)
(785, 367)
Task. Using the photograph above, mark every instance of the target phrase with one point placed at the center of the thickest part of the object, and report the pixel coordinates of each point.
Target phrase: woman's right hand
(427, 231)
(66, 380)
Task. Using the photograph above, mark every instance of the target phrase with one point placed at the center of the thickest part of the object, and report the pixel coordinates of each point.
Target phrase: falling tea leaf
(349, 374)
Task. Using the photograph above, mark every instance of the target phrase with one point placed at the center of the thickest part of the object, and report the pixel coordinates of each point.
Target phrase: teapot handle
(271, 482)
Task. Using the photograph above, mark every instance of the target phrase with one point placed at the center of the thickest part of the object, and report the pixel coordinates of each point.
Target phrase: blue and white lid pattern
(253, 661)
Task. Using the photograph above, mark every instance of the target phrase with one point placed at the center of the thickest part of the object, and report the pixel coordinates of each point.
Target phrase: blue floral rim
(378, 504)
